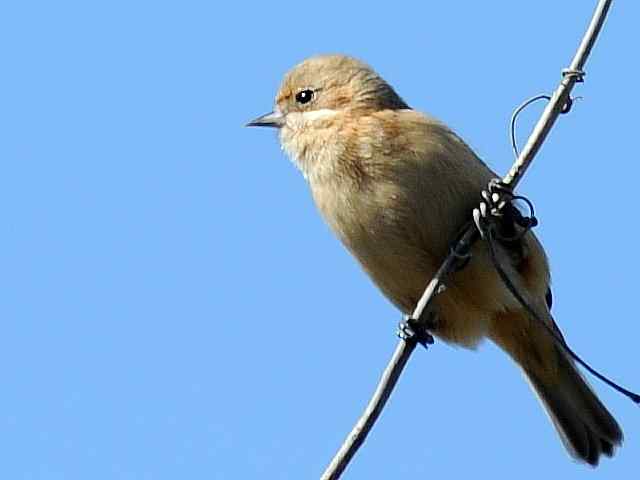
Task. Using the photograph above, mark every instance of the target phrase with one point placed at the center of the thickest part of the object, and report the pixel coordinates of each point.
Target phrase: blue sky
(172, 305)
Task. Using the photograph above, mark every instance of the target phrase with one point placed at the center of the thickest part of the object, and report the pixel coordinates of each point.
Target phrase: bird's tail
(585, 426)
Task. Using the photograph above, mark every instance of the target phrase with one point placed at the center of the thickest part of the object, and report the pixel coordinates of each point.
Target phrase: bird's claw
(410, 328)
(490, 205)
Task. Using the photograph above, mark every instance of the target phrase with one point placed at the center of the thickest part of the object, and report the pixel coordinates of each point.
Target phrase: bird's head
(318, 96)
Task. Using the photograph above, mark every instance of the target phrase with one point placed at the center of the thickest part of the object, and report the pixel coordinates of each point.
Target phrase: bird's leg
(418, 329)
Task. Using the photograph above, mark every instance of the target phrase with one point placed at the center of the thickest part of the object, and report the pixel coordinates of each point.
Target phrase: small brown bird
(396, 186)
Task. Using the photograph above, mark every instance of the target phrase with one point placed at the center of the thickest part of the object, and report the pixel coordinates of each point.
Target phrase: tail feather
(585, 426)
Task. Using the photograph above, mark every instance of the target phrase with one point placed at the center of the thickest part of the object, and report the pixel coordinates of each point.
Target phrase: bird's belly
(402, 257)
(402, 271)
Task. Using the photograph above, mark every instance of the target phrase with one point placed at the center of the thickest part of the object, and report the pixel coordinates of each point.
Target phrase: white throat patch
(297, 120)
(299, 141)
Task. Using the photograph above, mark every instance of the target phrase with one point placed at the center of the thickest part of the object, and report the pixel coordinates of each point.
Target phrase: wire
(489, 235)
(514, 117)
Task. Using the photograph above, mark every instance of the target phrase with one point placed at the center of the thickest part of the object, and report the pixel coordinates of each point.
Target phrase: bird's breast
(376, 228)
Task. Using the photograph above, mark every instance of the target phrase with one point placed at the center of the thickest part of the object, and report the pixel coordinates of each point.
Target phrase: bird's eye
(304, 96)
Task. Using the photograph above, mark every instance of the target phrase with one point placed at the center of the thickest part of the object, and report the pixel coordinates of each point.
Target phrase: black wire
(514, 117)
(559, 340)
(566, 108)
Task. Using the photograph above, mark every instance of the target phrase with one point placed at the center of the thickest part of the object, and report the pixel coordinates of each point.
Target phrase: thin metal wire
(514, 117)
(490, 238)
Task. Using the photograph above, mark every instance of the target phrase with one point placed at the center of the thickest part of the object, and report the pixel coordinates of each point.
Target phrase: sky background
(173, 307)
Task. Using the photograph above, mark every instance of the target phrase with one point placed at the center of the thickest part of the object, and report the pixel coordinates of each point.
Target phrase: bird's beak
(273, 119)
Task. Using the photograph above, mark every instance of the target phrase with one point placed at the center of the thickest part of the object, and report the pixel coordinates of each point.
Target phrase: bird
(396, 186)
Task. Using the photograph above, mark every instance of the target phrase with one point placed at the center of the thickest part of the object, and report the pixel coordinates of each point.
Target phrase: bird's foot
(491, 205)
(410, 328)
(497, 210)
